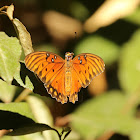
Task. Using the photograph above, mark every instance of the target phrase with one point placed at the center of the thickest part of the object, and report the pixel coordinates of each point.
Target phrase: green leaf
(7, 92)
(102, 47)
(134, 17)
(28, 79)
(22, 77)
(18, 117)
(41, 113)
(101, 114)
(129, 64)
(21, 108)
(10, 51)
(135, 135)
(79, 10)
(6, 138)
(35, 136)
(29, 128)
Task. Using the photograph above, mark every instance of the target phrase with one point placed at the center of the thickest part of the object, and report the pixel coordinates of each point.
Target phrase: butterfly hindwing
(75, 88)
(57, 88)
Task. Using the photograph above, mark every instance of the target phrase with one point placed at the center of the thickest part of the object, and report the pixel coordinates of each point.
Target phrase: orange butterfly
(64, 78)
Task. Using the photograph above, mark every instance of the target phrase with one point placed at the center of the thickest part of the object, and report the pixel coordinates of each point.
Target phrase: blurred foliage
(134, 17)
(106, 49)
(114, 111)
(7, 92)
(129, 70)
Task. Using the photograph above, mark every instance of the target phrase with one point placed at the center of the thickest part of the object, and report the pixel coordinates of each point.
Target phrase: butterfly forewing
(87, 66)
(84, 68)
(49, 67)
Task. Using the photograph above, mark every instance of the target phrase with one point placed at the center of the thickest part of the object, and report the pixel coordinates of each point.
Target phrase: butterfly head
(69, 55)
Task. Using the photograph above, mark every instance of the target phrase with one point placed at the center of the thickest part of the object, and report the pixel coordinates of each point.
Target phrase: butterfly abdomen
(68, 76)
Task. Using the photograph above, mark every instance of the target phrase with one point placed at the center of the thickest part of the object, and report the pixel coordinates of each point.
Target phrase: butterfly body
(68, 73)
(64, 78)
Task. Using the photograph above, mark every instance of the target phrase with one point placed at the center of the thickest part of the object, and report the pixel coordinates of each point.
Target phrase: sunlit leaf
(22, 78)
(99, 46)
(21, 108)
(41, 113)
(135, 135)
(10, 51)
(6, 138)
(28, 79)
(35, 136)
(7, 92)
(109, 12)
(129, 64)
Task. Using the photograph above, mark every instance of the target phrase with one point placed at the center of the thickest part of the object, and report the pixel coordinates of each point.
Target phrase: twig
(59, 135)
(3, 8)
(3, 132)
(23, 95)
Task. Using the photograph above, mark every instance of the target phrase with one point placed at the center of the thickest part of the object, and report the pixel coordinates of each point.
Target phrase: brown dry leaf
(98, 85)
(10, 11)
(24, 36)
(109, 12)
(60, 26)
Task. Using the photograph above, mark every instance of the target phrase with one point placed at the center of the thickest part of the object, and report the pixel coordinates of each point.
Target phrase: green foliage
(23, 80)
(134, 17)
(23, 122)
(78, 10)
(129, 65)
(101, 114)
(42, 114)
(10, 51)
(7, 92)
(106, 49)
(20, 108)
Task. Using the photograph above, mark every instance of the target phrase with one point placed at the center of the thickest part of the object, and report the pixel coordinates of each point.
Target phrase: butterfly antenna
(75, 35)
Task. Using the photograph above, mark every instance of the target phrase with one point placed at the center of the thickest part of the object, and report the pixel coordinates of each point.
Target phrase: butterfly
(63, 78)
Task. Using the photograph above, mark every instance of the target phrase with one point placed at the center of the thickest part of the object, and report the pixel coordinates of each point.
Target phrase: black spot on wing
(52, 60)
(78, 57)
(55, 57)
(81, 61)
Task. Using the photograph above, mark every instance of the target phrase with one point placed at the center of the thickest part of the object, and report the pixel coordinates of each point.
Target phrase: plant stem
(23, 95)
